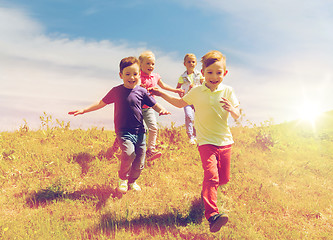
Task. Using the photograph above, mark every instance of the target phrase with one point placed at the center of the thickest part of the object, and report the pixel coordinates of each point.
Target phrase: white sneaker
(123, 186)
(193, 141)
(134, 186)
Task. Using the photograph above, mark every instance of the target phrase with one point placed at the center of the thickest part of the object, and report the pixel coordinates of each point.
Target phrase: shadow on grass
(153, 224)
(57, 192)
(84, 159)
(46, 196)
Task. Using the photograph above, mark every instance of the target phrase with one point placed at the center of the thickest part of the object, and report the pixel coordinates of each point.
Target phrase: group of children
(201, 94)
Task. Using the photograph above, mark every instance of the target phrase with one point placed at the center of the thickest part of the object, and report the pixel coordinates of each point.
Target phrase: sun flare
(310, 111)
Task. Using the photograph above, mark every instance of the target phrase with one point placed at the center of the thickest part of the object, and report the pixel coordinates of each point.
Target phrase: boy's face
(190, 63)
(148, 65)
(213, 74)
(131, 76)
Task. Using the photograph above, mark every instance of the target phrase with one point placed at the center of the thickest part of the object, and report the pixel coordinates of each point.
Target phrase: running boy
(213, 102)
(189, 79)
(128, 120)
(150, 80)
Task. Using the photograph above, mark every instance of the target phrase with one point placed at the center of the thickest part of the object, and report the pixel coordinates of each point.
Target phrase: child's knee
(128, 156)
(211, 179)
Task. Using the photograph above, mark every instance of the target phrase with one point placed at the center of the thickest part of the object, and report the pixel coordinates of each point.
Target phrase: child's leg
(189, 120)
(139, 161)
(210, 183)
(224, 164)
(151, 122)
(128, 155)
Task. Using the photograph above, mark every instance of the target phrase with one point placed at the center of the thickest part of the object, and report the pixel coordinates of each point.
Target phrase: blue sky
(59, 55)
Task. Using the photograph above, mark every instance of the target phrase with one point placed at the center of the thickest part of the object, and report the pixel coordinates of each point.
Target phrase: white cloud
(288, 53)
(272, 25)
(285, 48)
(16, 24)
(56, 74)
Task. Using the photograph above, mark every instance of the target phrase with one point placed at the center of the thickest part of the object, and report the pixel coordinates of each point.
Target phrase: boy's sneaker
(217, 221)
(123, 186)
(152, 155)
(134, 186)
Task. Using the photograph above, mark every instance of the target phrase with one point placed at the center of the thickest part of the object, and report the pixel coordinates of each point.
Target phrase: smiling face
(214, 74)
(131, 76)
(148, 64)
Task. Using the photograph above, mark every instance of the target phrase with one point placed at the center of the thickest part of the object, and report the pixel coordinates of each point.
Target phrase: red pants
(216, 164)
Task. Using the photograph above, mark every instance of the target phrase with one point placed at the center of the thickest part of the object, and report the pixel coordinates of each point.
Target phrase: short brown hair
(212, 57)
(189, 55)
(128, 61)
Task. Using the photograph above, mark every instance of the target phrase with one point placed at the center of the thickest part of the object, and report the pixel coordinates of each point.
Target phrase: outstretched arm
(168, 88)
(93, 107)
(177, 102)
(161, 110)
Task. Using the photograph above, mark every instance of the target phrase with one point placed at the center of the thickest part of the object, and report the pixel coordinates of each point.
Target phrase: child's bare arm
(179, 86)
(234, 111)
(161, 110)
(168, 88)
(177, 102)
(93, 107)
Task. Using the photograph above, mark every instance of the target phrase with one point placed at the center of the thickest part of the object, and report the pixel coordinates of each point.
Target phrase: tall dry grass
(59, 183)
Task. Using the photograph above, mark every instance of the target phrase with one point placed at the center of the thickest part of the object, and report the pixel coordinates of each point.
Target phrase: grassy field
(59, 183)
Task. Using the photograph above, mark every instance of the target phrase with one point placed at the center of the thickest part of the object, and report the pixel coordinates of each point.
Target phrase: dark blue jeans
(133, 152)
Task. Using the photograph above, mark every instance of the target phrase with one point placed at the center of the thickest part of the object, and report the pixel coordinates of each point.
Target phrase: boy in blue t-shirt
(128, 121)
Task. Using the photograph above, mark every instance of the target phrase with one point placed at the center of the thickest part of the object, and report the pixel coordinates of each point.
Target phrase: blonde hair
(146, 54)
(212, 57)
(189, 55)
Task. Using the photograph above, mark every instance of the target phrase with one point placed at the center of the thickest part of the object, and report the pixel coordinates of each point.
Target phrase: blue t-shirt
(128, 107)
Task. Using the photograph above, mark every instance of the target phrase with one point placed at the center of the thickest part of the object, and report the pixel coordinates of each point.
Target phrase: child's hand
(227, 105)
(164, 112)
(180, 91)
(154, 91)
(76, 112)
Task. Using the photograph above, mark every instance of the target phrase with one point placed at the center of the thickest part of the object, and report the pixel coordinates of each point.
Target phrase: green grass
(59, 183)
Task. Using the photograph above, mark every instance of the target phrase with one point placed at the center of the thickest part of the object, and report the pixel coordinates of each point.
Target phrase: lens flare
(309, 111)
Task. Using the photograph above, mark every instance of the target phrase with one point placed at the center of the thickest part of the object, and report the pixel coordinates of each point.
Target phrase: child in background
(189, 79)
(128, 120)
(213, 103)
(150, 80)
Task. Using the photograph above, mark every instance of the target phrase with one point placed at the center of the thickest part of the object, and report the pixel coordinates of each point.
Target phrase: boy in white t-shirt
(189, 79)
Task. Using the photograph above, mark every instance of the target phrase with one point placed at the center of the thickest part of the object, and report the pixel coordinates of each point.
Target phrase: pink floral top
(149, 81)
